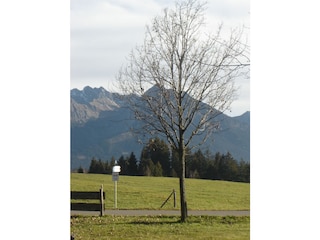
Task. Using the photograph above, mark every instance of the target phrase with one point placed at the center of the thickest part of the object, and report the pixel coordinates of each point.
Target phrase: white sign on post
(115, 173)
(115, 176)
(116, 169)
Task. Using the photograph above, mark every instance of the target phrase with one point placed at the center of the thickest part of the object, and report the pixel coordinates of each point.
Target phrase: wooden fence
(173, 193)
(85, 206)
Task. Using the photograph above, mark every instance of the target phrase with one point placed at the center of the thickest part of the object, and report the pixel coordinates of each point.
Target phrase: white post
(115, 176)
(115, 194)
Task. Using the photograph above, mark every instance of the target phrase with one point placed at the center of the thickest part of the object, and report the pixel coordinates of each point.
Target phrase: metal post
(115, 194)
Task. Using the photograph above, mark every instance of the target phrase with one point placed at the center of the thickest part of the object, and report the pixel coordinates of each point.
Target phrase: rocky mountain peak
(90, 103)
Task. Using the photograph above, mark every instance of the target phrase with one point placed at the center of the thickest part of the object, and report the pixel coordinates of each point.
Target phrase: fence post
(101, 201)
(174, 199)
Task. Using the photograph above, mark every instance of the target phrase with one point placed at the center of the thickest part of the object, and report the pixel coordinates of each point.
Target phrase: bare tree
(182, 67)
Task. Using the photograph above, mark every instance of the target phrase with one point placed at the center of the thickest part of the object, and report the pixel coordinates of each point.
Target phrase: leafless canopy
(177, 69)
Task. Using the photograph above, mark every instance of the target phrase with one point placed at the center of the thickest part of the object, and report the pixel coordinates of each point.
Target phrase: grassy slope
(151, 192)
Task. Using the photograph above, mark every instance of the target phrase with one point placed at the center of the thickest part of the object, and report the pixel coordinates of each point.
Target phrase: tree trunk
(183, 201)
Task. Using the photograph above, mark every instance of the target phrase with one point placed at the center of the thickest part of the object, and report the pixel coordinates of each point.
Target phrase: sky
(103, 32)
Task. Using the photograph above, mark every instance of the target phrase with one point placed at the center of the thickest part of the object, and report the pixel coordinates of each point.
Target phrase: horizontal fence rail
(86, 195)
(86, 206)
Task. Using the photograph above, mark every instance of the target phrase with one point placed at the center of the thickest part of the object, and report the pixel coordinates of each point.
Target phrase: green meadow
(160, 227)
(135, 192)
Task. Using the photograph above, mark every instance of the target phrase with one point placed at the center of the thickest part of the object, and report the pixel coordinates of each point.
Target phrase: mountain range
(101, 126)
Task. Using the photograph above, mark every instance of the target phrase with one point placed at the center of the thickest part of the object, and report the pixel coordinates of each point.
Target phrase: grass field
(160, 227)
(151, 192)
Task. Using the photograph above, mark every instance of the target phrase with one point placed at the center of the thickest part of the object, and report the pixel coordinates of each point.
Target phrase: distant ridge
(101, 123)
(245, 117)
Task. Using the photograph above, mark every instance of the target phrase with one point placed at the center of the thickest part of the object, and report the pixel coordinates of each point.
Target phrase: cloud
(229, 9)
(103, 32)
(101, 14)
(242, 103)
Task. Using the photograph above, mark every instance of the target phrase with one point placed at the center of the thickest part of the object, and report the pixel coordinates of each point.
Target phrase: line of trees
(157, 160)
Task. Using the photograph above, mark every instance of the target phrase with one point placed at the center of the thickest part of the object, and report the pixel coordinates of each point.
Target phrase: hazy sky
(103, 32)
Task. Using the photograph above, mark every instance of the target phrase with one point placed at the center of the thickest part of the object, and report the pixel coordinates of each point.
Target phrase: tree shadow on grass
(156, 220)
(229, 220)
(154, 223)
(132, 220)
(165, 220)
